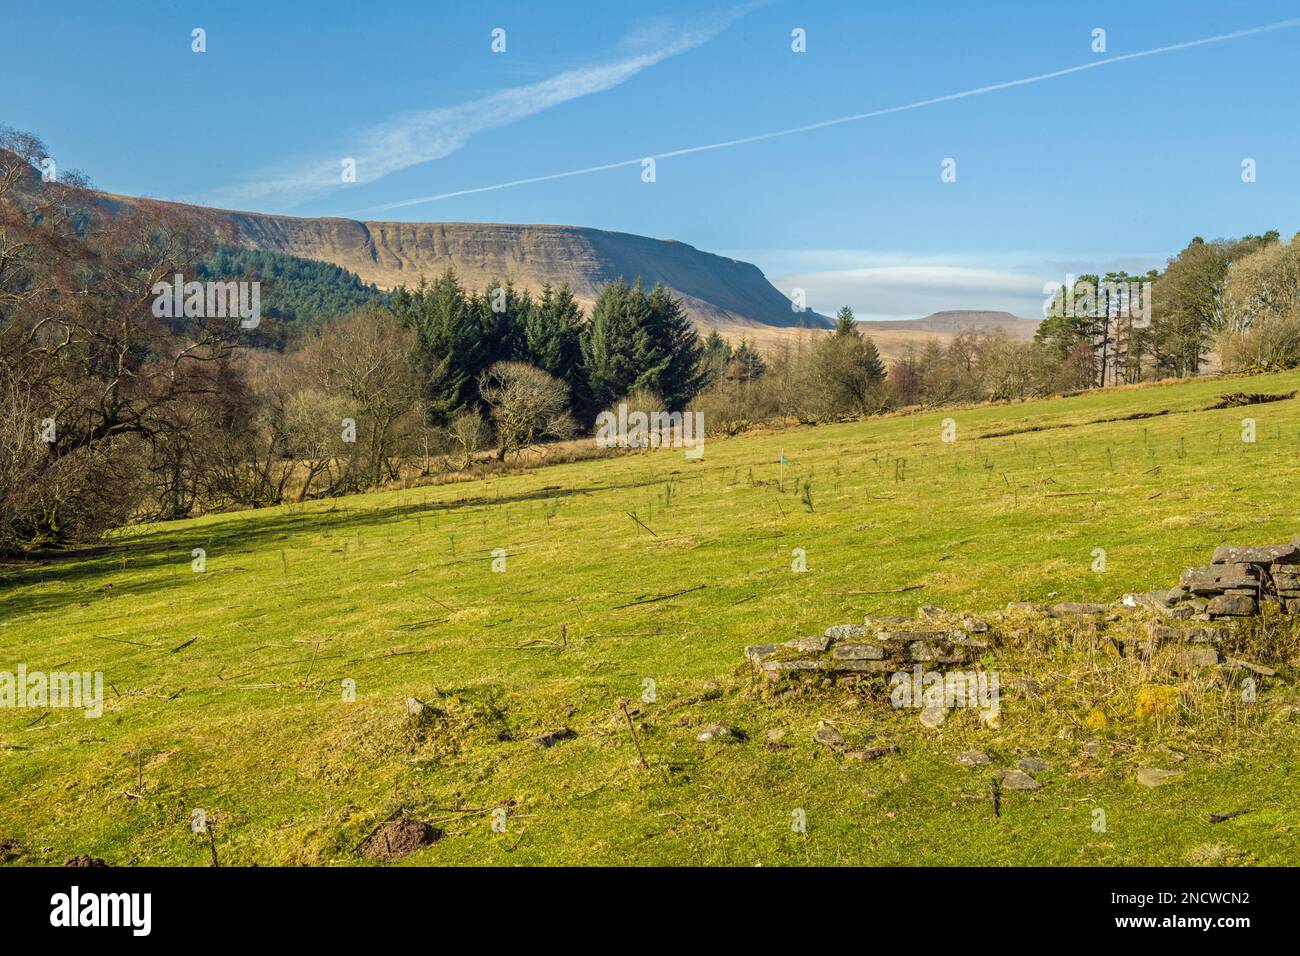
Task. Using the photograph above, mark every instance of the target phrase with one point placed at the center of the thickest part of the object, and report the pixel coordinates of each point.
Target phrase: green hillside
(299, 296)
(224, 687)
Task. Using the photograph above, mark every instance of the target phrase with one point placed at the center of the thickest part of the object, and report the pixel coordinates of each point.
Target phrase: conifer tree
(552, 340)
(615, 342)
(747, 364)
(671, 365)
(449, 350)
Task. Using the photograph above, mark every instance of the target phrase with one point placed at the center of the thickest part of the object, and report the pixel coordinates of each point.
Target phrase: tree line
(110, 413)
(1230, 299)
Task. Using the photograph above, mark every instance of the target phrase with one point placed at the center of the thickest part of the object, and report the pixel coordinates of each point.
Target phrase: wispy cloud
(856, 117)
(886, 286)
(408, 139)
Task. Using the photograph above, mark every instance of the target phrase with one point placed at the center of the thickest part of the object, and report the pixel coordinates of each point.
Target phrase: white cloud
(880, 286)
(911, 291)
(408, 139)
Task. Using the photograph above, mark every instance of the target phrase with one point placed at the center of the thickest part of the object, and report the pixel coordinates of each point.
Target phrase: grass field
(395, 590)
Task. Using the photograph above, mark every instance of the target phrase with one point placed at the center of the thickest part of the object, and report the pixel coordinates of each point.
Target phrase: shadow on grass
(79, 573)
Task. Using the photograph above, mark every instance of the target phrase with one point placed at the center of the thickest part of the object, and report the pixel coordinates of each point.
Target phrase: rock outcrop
(715, 290)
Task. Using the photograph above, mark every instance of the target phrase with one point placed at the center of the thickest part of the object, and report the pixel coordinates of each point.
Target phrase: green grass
(395, 591)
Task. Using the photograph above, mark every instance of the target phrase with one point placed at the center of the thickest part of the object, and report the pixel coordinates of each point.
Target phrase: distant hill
(894, 338)
(716, 291)
(954, 321)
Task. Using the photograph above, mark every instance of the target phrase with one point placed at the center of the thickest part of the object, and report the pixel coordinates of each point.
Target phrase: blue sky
(1114, 166)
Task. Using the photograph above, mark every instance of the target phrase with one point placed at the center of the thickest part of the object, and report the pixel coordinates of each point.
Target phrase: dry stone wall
(879, 645)
(1238, 584)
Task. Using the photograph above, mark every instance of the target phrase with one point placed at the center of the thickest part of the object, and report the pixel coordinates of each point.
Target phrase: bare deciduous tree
(467, 433)
(527, 405)
(80, 344)
(364, 361)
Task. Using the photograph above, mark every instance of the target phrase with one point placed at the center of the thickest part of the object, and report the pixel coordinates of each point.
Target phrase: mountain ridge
(716, 291)
(956, 321)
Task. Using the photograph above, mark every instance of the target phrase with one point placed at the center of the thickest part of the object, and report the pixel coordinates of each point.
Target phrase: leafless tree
(527, 406)
(80, 345)
(467, 433)
(364, 362)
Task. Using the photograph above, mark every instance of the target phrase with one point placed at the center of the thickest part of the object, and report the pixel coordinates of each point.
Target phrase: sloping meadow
(527, 663)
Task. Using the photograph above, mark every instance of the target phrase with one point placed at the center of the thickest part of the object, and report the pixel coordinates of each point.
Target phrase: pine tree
(847, 368)
(450, 350)
(640, 341)
(552, 340)
(845, 324)
(671, 364)
(871, 361)
(500, 314)
(615, 342)
(716, 357)
(747, 364)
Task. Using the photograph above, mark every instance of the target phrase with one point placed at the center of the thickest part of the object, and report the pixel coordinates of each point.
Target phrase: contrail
(856, 117)
(420, 136)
